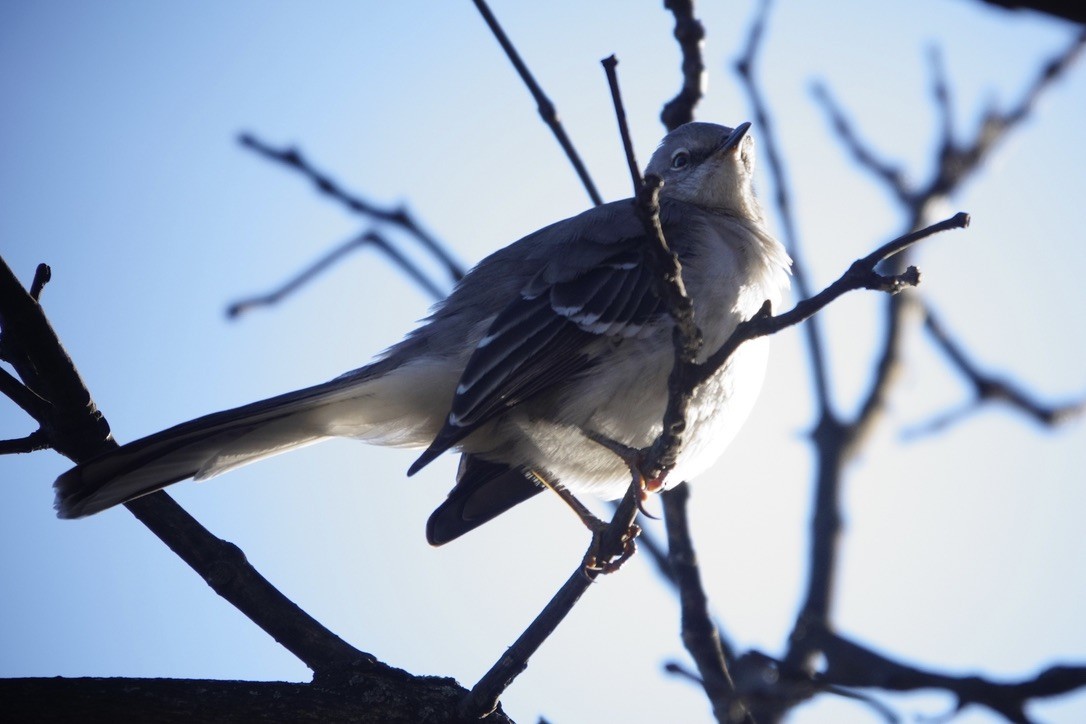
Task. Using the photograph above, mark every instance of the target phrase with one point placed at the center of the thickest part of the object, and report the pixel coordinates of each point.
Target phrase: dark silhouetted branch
(989, 388)
(1075, 12)
(699, 634)
(42, 275)
(612, 544)
(292, 158)
(853, 665)
(71, 424)
(860, 275)
(690, 33)
(544, 105)
(387, 696)
(745, 67)
(610, 64)
(33, 442)
(367, 239)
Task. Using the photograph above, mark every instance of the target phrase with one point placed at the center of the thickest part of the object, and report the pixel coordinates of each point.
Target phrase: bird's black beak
(736, 136)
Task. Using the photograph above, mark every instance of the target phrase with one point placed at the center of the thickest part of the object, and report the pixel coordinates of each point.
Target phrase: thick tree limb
(72, 425)
(387, 696)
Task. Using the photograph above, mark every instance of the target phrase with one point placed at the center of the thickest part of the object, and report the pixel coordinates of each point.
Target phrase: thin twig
(610, 64)
(687, 339)
(745, 68)
(399, 216)
(860, 275)
(368, 238)
(890, 174)
(690, 34)
(989, 388)
(957, 162)
(543, 104)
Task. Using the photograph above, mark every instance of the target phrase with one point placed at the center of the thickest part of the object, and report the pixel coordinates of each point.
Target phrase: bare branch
(64, 409)
(33, 442)
(850, 664)
(399, 216)
(890, 174)
(612, 543)
(544, 105)
(860, 275)
(1075, 12)
(989, 388)
(387, 696)
(957, 162)
(690, 33)
(368, 238)
(700, 636)
(73, 426)
(744, 67)
(23, 396)
(610, 64)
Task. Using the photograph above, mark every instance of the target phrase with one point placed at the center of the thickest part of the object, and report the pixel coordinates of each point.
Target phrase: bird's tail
(351, 406)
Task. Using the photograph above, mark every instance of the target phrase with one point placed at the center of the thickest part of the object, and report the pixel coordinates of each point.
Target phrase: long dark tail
(204, 447)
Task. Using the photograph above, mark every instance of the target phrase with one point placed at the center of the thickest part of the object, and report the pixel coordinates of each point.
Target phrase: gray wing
(593, 282)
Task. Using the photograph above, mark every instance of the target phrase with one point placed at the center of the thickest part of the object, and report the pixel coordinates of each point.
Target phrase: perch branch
(612, 544)
(71, 424)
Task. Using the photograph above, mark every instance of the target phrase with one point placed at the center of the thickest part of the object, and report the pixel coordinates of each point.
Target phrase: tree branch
(690, 34)
(745, 69)
(368, 238)
(543, 104)
(71, 424)
(399, 216)
(613, 543)
(990, 388)
(387, 696)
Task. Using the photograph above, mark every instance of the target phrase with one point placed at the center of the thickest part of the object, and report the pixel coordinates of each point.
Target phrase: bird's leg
(587, 517)
(593, 559)
(633, 459)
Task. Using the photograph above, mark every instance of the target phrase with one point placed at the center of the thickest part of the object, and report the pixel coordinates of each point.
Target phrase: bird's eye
(681, 159)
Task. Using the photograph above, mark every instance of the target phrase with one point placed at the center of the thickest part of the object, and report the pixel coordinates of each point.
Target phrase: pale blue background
(118, 167)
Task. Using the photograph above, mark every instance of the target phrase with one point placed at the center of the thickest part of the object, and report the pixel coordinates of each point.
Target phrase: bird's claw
(599, 560)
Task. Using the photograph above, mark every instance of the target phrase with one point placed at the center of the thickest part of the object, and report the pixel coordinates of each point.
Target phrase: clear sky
(119, 167)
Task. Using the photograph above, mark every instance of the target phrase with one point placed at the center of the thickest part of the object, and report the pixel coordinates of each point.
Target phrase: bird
(544, 349)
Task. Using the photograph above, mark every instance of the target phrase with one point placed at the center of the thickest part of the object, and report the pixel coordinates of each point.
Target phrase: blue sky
(119, 167)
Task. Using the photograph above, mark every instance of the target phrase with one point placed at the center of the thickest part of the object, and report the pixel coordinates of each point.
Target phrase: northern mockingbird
(557, 335)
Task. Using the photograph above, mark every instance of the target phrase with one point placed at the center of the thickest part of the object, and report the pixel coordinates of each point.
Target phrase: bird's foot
(601, 557)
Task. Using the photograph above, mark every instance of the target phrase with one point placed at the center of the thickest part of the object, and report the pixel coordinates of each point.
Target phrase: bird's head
(710, 166)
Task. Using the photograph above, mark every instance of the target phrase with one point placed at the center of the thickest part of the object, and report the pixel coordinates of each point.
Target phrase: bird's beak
(736, 136)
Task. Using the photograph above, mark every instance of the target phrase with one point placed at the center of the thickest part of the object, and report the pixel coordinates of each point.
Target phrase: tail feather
(201, 448)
